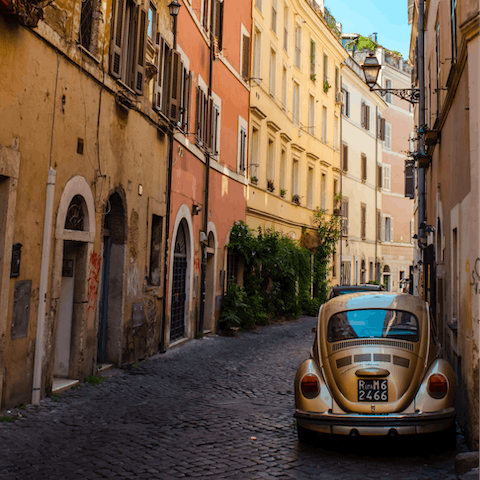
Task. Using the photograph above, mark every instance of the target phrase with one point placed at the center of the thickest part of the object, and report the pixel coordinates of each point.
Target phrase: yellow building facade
(295, 115)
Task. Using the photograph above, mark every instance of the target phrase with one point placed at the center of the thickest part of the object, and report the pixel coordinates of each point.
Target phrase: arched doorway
(110, 325)
(386, 278)
(73, 289)
(179, 283)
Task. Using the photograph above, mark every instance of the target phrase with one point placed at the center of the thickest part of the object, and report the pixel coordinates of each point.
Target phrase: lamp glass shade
(371, 69)
(174, 8)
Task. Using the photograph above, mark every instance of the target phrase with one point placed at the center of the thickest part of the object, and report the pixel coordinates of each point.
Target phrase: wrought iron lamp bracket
(411, 95)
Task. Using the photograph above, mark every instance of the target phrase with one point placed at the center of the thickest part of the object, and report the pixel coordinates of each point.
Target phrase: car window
(373, 323)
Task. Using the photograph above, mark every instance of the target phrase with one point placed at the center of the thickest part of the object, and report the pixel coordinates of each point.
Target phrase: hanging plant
(326, 86)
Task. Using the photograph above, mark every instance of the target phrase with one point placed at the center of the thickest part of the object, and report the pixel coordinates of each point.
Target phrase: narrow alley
(220, 407)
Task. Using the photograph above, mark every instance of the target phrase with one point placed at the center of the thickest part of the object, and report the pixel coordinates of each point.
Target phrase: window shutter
(362, 115)
(197, 114)
(382, 129)
(380, 177)
(345, 157)
(210, 121)
(117, 39)
(219, 23)
(161, 73)
(246, 57)
(364, 167)
(382, 234)
(186, 100)
(140, 53)
(175, 87)
(386, 177)
(367, 117)
(409, 182)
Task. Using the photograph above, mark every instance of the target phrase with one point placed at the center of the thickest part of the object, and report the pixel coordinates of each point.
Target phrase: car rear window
(372, 323)
(354, 290)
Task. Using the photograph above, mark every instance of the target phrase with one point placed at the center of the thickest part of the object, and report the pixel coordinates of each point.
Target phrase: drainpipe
(341, 186)
(377, 269)
(203, 277)
(42, 303)
(421, 122)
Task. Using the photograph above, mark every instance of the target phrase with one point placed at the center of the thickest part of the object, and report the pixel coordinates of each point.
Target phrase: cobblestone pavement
(214, 408)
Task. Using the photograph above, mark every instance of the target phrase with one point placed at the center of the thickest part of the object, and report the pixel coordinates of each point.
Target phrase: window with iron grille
(363, 216)
(86, 23)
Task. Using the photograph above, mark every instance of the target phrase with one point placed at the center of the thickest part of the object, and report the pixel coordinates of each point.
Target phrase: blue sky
(386, 17)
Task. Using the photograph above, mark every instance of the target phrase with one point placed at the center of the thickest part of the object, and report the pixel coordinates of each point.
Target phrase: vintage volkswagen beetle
(375, 369)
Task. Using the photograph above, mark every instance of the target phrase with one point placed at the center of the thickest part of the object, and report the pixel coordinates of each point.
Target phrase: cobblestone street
(217, 408)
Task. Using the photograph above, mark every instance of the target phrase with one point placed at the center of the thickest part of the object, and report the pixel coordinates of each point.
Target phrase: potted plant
(326, 86)
(270, 185)
(283, 192)
(296, 199)
(254, 179)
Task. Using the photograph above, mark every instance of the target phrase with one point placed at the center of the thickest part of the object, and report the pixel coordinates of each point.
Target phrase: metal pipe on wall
(42, 296)
(203, 274)
(421, 136)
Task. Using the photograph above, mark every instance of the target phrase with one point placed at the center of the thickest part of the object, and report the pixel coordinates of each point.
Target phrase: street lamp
(371, 69)
(174, 8)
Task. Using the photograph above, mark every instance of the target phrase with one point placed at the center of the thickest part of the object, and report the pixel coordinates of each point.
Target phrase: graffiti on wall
(94, 271)
(475, 282)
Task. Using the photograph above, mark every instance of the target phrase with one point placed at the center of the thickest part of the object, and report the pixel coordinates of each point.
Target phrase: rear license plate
(372, 391)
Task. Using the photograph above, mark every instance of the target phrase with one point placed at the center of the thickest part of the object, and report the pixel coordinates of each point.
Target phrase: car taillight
(437, 386)
(310, 385)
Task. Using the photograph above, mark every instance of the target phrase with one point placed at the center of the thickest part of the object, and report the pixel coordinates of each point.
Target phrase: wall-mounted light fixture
(196, 209)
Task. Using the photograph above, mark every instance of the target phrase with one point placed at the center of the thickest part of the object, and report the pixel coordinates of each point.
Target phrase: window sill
(124, 85)
(88, 53)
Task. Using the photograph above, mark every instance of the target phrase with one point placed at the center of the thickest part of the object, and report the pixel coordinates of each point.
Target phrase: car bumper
(401, 424)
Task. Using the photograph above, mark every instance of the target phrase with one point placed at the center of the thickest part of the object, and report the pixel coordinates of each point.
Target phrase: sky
(389, 18)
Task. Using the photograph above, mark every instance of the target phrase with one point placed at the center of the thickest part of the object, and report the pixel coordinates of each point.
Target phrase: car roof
(377, 299)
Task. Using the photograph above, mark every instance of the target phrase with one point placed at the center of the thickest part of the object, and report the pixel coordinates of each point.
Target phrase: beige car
(375, 369)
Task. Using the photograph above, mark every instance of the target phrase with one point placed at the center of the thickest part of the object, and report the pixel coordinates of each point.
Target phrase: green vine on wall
(278, 277)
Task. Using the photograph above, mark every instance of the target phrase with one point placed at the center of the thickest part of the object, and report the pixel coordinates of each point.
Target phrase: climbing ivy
(328, 229)
(276, 277)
